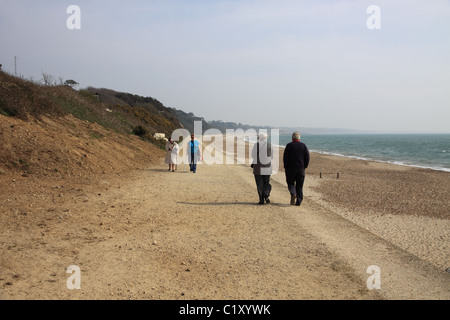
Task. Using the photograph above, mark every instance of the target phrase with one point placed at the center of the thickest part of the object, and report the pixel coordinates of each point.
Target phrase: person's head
(296, 136)
(171, 140)
(192, 137)
(262, 136)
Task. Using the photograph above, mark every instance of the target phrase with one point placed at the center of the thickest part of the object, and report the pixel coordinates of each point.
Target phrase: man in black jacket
(296, 160)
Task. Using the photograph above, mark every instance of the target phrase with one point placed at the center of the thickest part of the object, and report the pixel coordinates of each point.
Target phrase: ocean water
(418, 150)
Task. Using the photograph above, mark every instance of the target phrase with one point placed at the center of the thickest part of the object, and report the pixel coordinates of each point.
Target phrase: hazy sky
(279, 63)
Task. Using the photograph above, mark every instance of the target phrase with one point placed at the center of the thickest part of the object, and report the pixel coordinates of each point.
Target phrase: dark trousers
(295, 180)
(263, 186)
(193, 162)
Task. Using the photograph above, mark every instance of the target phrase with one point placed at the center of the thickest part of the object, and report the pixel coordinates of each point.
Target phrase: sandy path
(403, 275)
(159, 235)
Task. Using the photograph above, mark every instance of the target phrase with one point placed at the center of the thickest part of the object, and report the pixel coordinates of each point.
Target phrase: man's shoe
(293, 199)
(267, 200)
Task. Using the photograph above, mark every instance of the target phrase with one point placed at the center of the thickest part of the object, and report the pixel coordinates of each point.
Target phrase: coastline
(392, 162)
(404, 161)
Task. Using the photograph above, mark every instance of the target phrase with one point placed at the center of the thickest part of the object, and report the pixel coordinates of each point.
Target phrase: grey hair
(263, 136)
(296, 136)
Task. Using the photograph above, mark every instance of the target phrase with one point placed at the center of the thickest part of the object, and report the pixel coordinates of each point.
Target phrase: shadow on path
(233, 204)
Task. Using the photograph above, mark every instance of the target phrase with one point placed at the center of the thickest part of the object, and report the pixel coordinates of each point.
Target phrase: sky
(282, 63)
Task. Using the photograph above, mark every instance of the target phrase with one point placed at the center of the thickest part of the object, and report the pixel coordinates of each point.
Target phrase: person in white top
(172, 150)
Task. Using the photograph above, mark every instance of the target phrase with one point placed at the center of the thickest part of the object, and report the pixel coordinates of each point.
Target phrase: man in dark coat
(296, 160)
(262, 167)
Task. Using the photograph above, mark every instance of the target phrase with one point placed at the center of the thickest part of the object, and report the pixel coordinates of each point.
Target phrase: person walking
(195, 154)
(262, 167)
(296, 160)
(172, 150)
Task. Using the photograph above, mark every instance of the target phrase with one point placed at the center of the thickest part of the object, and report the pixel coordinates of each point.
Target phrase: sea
(430, 151)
